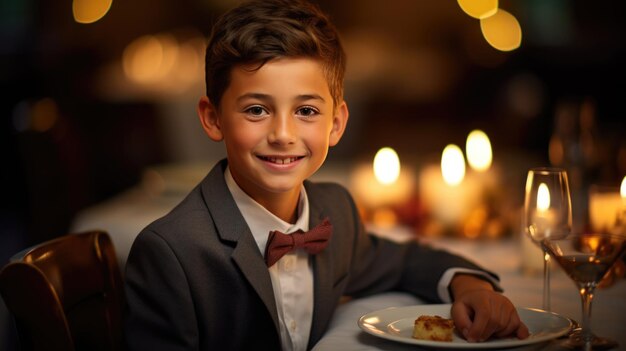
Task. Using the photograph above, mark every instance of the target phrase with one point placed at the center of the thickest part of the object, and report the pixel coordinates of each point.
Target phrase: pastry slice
(433, 328)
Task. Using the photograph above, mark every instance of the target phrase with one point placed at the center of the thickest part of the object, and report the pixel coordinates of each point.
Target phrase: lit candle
(605, 204)
(386, 166)
(543, 217)
(478, 148)
(446, 191)
(382, 183)
(480, 159)
(452, 165)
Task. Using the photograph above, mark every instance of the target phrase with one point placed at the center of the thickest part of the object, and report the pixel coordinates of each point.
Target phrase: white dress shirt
(292, 274)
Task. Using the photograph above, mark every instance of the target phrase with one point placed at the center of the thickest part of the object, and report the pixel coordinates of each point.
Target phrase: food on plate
(434, 328)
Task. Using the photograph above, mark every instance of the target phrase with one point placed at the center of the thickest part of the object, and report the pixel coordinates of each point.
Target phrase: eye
(307, 111)
(256, 111)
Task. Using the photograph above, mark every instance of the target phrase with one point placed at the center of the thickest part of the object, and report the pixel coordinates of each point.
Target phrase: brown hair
(259, 31)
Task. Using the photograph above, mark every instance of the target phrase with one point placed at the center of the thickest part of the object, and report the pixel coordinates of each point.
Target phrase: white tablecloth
(502, 257)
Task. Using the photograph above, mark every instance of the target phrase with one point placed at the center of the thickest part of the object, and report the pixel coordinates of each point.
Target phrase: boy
(207, 275)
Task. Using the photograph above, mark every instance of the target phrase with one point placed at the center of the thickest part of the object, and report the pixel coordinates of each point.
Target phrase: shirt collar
(259, 219)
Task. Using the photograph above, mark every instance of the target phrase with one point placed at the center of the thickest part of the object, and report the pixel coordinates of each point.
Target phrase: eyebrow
(266, 97)
(305, 97)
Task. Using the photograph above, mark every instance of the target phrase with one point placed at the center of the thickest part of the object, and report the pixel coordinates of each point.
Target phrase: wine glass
(586, 258)
(547, 213)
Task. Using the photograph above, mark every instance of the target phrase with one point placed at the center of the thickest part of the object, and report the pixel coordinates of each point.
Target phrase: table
(503, 257)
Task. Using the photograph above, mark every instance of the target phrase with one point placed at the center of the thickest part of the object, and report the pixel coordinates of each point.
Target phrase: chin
(282, 186)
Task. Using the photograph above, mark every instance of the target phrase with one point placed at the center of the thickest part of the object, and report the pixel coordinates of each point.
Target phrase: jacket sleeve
(160, 309)
(381, 265)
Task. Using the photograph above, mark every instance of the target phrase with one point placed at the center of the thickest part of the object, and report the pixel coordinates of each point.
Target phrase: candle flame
(543, 197)
(478, 146)
(622, 188)
(452, 165)
(386, 166)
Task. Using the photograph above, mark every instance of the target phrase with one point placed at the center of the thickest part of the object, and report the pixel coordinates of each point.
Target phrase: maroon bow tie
(313, 241)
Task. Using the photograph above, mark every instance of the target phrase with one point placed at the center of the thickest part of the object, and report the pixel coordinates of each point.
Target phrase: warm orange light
(142, 58)
(384, 218)
(592, 243)
(543, 197)
(452, 165)
(502, 31)
(149, 58)
(90, 11)
(386, 166)
(478, 148)
(479, 8)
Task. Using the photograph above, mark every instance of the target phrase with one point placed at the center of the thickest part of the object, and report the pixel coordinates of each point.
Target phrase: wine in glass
(547, 213)
(586, 258)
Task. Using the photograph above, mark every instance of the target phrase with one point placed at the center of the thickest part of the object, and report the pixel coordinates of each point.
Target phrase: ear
(209, 118)
(340, 120)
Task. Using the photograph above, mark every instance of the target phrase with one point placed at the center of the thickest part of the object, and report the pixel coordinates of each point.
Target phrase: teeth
(281, 161)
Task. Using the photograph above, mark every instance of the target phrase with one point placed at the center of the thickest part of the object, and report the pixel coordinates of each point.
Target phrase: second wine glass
(586, 258)
(547, 213)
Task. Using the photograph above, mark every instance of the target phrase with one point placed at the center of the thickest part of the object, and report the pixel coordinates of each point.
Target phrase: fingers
(514, 326)
(522, 332)
(462, 316)
(479, 320)
(510, 326)
(486, 322)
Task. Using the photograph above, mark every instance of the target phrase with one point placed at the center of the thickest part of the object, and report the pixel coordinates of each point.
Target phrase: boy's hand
(479, 312)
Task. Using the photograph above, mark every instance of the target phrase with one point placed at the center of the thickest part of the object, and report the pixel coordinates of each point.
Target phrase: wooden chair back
(66, 294)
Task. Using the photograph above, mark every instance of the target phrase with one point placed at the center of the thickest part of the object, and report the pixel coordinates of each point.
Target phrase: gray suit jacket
(196, 280)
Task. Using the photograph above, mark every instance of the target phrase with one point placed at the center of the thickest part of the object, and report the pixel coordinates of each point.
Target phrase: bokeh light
(478, 148)
(502, 31)
(452, 165)
(386, 166)
(479, 8)
(543, 197)
(90, 11)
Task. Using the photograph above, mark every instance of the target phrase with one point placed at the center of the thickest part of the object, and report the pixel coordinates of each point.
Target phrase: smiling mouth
(280, 160)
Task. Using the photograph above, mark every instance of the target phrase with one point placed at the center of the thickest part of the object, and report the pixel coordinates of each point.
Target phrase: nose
(283, 130)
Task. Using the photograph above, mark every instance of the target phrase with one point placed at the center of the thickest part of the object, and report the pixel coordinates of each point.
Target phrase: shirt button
(292, 325)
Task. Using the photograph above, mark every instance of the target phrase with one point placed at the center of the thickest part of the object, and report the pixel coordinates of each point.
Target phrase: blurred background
(98, 99)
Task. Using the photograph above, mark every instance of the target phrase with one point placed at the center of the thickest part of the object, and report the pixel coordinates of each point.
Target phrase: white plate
(396, 324)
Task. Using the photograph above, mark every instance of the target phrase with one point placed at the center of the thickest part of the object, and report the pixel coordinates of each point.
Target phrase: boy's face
(277, 124)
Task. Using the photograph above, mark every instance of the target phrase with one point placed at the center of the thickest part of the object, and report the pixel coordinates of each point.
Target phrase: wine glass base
(576, 341)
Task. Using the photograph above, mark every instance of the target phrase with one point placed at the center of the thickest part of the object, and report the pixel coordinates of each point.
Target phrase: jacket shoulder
(327, 191)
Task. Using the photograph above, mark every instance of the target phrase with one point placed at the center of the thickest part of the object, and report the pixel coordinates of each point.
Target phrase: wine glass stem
(586, 294)
(546, 281)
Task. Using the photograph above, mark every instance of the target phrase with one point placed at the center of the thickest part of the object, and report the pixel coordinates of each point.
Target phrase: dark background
(420, 76)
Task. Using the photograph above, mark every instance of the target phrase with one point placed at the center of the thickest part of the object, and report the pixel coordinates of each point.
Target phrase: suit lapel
(322, 273)
(232, 227)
